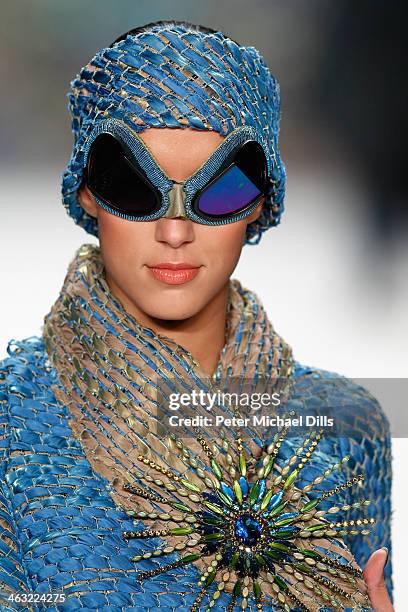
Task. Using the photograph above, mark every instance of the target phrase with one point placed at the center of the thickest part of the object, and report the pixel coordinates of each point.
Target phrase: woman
(175, 167)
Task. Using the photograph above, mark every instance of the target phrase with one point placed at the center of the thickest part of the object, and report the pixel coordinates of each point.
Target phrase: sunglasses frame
(139, 155)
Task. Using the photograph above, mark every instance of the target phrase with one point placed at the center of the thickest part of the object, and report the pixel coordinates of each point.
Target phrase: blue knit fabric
(60, 530)
(174, 77)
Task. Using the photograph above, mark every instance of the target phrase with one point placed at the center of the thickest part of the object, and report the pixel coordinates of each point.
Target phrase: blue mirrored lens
(231, 192)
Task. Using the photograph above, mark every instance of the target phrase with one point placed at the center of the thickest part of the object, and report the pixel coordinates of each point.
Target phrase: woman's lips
(174, 274)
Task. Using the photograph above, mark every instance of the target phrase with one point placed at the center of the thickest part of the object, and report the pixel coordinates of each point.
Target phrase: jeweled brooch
(253, 533)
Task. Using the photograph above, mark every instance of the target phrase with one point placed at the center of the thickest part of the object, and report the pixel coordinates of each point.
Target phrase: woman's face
(130, 249)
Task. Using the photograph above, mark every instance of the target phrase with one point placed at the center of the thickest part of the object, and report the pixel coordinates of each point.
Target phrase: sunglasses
(126, 180)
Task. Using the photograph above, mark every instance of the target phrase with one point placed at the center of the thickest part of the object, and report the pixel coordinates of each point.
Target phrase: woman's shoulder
(25, 377)
(347, 400)
(26, 360)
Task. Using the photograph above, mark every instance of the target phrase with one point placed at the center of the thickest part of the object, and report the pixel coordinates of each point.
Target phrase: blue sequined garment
(60, 529)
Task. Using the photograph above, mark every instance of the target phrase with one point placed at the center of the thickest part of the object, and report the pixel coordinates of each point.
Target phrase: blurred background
(333, 276)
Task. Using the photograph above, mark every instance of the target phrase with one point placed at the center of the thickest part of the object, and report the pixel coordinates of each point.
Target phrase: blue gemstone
(275, 500)
(262, 489)
(244, 485)
(248, 530)
(227, 490)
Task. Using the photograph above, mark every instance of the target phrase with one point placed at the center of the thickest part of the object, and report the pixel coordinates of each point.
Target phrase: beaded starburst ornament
(257, 537)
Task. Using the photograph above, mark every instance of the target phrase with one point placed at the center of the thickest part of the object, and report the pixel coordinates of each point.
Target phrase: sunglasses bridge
(177, 198)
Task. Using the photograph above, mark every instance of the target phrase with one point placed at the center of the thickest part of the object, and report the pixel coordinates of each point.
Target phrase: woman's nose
(174, 231)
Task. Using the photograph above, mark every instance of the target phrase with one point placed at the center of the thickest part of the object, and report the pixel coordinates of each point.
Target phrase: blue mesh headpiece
(175, 76)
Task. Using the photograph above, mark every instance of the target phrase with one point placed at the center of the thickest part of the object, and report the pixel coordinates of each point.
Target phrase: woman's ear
(87, 201)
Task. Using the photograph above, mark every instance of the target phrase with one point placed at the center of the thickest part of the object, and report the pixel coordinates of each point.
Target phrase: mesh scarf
(110, 366)
(108, 369)
(176, 77)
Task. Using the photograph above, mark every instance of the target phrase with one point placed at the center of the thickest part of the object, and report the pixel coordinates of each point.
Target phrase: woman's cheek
(230, 245)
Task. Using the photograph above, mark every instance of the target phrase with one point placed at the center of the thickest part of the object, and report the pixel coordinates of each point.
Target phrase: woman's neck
(202, 334)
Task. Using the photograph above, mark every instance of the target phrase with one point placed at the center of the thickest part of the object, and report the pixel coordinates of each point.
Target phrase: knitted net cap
(174, 75)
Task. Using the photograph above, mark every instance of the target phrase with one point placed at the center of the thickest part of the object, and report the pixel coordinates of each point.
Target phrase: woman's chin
(171, 312)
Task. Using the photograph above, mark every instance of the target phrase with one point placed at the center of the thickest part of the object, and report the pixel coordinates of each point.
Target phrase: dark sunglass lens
(114, 179)
(251, 160)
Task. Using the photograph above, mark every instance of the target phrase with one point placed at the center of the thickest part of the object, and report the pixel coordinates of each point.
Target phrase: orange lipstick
(174, 274)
